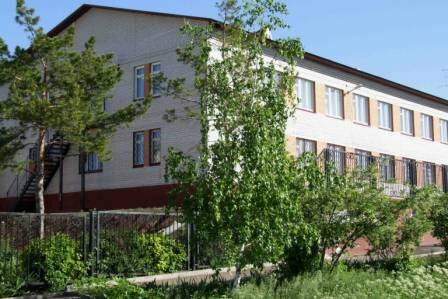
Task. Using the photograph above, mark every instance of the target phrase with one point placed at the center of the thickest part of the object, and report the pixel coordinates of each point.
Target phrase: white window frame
(361, 106)
(407, 121)
(330, 100)
(139, 78)
(153, 74)
(381, 119)
(305, 146)
(139, 149)
(427, 132)
(444, 131)
(306, 98)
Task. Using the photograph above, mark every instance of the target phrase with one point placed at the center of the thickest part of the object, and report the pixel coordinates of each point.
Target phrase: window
(155, 147)
(305, 146)
(92, 163)
(156, 69)
(336, 155)
(334, 102)
(139, 82)
(305, 93)
(385, 115)
(429, 173)
(407, 121)
(409, 172)
(32, 154)
(445, 178)
(363, 158)
(387, 167)
(361, 109)
(139, 149)
(427, 127)
(444, 131)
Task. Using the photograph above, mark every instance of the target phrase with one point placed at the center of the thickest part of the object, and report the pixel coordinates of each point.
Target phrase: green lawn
(430, 281)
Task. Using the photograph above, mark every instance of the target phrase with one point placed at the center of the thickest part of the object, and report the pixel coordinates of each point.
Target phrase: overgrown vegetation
(131, 253)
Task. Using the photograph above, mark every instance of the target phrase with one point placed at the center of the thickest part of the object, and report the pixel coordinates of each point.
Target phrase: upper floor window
(305, 146)
(155, 155)
(305, 93)
(92, 163)
(387, 167)
(361, 109)
(427, 127)
(444, 131)
(334, 102)
(385, 115)
(363, 158)
(407, 121)
(139, 82)
(139, 149)
(156, 69)
(429, 173)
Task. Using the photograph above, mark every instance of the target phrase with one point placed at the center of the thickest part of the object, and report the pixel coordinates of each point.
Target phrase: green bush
(55, 261)
(439, 217)
(12, 274)
(130, 253)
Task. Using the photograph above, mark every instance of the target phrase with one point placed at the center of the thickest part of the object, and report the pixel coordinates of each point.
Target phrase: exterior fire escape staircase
(24, 186)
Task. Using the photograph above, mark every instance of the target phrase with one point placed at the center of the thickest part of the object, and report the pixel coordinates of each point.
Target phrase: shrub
(12, 274)
(55, 261)
(439, 217)
(132, 253)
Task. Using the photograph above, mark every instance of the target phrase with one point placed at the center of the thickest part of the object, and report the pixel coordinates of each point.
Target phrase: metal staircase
(55, 149)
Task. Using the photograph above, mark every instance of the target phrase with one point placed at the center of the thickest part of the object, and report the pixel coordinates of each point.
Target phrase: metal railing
(395, 176)
(104, 238)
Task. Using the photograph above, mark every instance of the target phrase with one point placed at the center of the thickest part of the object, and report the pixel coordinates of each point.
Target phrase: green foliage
(130, 252)
(12, 274)
(55, 261)
(238, 194)
(439, 217)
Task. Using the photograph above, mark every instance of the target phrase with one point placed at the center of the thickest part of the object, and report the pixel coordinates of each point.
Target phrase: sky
(405, 41)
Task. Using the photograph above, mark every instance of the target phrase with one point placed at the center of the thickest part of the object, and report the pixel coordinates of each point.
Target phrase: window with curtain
(429, 173)
(92, 163)
(407, 121)
(139, 149)
(363, 158)
(427, 126)
(409, 171)
(155, 144)
(444, 131)
(361, 109)
(305, 94)
(445, 177)
(336, 155)
(139, 82)
(387, 167)
(385, 115)
(305, 146)
(156, 69)
(334, 102)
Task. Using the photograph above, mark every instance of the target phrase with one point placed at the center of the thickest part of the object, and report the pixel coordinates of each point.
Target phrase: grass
(427, 281)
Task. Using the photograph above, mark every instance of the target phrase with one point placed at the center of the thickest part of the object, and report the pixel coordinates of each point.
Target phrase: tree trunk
(238, 268)
(40, 175)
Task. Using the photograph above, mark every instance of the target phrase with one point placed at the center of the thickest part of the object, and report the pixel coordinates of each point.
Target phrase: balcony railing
(395, 176)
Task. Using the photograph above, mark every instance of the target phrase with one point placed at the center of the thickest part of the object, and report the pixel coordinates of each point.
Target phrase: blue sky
(402, 40)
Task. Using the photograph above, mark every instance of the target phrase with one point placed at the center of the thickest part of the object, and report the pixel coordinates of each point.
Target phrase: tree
(54, 88)
(239, 192)
(439, 218)
(343, 208)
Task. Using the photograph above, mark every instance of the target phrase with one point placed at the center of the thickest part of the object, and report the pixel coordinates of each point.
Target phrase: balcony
(395, 176)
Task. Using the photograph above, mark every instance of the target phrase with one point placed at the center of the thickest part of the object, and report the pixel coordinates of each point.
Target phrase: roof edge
(309, 56)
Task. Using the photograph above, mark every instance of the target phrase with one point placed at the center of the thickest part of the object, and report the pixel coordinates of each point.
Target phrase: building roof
(308, 56)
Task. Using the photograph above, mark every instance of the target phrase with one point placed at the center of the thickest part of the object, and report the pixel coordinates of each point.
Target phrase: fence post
(98, 240)
(189, 247)
(84, 236)
(91, 245)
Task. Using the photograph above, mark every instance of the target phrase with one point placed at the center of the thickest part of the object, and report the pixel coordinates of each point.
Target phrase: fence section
(110, 242)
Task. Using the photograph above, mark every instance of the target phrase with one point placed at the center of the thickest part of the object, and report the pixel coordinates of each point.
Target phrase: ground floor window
(92, 163)
(155, 146)
(387, 167)
(429, 173)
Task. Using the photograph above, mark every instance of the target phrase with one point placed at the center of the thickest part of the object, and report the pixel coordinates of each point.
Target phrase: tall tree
(52, 87)
(238, 195)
